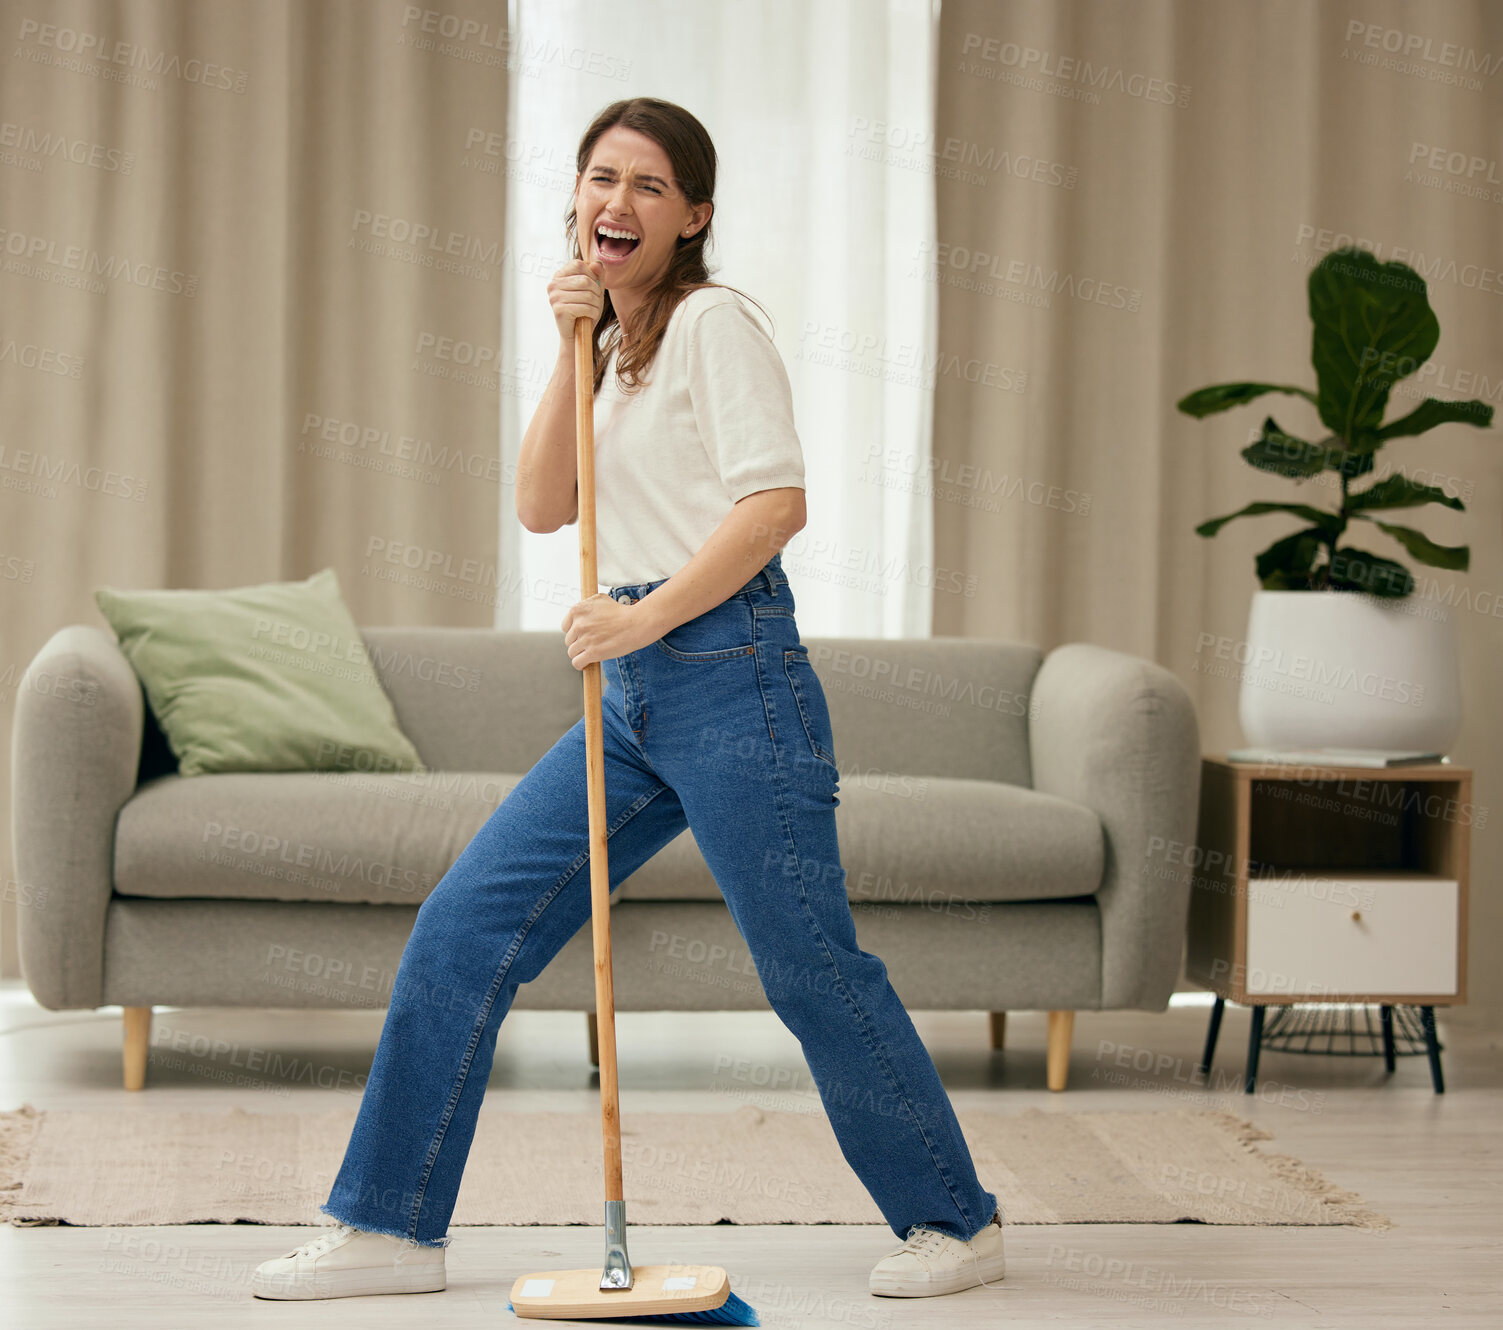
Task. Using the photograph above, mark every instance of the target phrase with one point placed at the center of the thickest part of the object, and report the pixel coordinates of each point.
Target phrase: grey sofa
(1008, 823)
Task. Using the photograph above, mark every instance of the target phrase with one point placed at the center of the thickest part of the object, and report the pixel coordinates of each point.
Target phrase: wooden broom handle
(600, 875)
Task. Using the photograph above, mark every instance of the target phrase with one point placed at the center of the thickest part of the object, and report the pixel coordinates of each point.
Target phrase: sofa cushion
(271, 677)
(475, 699)
(933, 841)
(388, 839)
(933, 706)
(301, 835)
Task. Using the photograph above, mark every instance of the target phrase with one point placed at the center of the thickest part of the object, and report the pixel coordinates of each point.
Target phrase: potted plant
(1339, 653)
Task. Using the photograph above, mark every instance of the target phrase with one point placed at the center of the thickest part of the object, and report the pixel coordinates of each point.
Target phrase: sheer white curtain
(822, 115)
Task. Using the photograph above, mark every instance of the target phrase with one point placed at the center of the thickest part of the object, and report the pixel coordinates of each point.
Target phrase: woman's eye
(606, 180)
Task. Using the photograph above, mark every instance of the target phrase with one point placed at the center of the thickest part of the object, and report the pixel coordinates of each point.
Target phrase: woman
(713, 719)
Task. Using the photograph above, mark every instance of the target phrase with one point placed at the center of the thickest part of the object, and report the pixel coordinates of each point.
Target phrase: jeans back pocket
(813, 710)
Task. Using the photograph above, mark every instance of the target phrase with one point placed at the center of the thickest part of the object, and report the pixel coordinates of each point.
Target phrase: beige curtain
(1100, 257)
(1097, 259)
(250, 274)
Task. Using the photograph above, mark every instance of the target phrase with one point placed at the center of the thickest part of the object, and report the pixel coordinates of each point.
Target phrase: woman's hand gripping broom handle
(617, 1272)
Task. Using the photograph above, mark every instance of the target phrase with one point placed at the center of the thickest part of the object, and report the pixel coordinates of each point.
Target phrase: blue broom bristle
(733, 1311)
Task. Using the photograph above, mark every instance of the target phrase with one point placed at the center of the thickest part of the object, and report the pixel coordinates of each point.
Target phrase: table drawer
(1377, 934)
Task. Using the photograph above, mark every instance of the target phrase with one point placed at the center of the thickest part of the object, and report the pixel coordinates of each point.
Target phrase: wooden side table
(1337, 885)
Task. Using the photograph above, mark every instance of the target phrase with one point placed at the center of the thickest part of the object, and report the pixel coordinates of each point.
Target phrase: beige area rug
(747, 1166)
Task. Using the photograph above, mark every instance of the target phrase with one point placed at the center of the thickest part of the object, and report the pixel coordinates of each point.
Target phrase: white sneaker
(931, 1262)
(346, 1262)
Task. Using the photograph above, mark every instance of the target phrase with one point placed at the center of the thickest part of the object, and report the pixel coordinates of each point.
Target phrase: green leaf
(1373, 326)
(1329, 522)
(1357, 570)
(1432, 412)
(1284, 454)
(1286, 564)
(1398, 491)
(1344, 462)
(1424, 549)
(1224, 396)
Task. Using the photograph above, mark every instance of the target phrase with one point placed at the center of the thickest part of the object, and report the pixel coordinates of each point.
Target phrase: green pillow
(260, 678)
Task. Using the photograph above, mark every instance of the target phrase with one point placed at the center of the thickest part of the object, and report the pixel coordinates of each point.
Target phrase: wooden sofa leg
(137, 1037)
(999, 1029)
(1061, 1026)
(594, 1025)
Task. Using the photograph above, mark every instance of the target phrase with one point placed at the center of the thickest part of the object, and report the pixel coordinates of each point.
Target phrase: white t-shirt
(712, 424)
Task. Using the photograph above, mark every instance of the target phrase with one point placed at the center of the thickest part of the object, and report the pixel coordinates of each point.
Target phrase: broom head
(697, 1294)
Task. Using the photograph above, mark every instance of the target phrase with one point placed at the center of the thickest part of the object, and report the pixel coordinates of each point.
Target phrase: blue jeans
(719, 725)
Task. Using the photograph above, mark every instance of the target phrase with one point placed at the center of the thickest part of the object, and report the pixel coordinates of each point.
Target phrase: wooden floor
(1431, 1163)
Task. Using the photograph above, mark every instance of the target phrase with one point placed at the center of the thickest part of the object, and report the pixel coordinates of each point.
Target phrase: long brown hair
(692, 157)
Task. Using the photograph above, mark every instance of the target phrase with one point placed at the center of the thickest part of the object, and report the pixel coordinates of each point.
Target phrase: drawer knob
(1356, 916)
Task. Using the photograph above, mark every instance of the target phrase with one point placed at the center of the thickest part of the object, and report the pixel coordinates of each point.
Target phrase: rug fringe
(1245, 1131)
(18, 1129)
(1338, 1199)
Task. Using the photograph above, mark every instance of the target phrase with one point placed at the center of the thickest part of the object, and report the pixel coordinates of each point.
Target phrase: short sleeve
(743, 404)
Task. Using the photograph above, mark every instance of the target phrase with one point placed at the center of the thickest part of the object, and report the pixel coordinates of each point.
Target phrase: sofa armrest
(75, 752)
(1119, 735)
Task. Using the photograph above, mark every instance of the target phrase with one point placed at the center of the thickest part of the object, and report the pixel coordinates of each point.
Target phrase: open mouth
(615, 243)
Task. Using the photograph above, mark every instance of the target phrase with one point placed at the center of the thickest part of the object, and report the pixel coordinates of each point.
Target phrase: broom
(696, 1294)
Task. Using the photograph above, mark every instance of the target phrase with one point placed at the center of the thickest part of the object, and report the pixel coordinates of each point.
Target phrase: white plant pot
(1340, 669)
